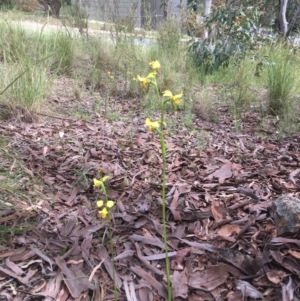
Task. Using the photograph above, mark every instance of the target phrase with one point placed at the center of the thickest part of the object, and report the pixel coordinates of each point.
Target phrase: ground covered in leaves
(221, 185)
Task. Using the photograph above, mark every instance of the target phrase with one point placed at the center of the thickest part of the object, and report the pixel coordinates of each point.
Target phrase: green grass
(46, 56)
(282, 77)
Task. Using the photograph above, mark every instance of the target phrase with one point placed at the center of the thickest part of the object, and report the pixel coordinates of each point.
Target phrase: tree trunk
(293, 21)
(282, 17)
(165, 8)
(207, 7)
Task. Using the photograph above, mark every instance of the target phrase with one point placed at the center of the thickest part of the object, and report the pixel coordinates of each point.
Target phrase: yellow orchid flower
(100, 203)
(151, 125)
(155, 65)
(100, 183)
(174, 98)
(110, 204)
(145, 81)
(97, 183)
(105, 178)
(103, 212)
(110, 75)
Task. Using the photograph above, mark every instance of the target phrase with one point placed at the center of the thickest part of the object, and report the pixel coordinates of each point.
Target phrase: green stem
(162, 105)
(111, 244)
(163, 150)
(112, 258)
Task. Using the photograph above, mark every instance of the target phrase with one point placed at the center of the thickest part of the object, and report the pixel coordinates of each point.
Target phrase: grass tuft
(281, 80)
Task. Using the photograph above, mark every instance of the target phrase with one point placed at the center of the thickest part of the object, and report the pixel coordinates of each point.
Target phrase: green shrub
(281, 80)
(168, 35)
(63, 50)
(231, 33)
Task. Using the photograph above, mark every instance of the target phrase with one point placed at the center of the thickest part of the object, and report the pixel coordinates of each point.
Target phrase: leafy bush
(231, 32)
(5, 4)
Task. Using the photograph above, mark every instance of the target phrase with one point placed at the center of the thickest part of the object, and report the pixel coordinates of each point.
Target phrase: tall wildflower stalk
(157, 126)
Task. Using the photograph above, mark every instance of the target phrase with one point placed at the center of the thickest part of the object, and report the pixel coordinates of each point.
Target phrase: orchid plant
(168, 97)
(105, 208)
(157, 126)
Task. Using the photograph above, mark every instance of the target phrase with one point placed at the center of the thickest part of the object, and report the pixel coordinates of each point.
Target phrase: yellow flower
(100, 183)
(110, 204)
(97, 183)
(145, 81)
(155, 65)
(110, 75)
(99, 203)
(151, 125)
(105, 178)
(174, 98)
(103, 212)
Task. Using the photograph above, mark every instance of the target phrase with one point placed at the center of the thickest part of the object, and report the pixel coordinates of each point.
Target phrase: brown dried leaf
(18, 271)
(228, 230)
(248, 290)
(209, 279)
(218, 211)
(179, 284)
(76, 281)
(151, 281)
(222, 174)
(295, 254)
(276, 276)
(173, 206)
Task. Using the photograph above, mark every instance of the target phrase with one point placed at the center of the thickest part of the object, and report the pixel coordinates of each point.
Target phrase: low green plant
(110, 83)
(105, 207)
(29, 90)
(63, 49)
(281, 80)
(15, 43)
(168, 36)
(201, 102)
(242, 95)
(236, 117)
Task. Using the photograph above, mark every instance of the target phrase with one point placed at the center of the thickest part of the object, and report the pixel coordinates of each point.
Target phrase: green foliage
(281, 80)
(24, 81)
(14, 43)
(231, 33)
(63, 50)
(168, 35)
(242, 94)
(6, 4)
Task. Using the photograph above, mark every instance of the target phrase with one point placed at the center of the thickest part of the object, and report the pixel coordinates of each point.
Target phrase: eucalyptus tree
(285, 26)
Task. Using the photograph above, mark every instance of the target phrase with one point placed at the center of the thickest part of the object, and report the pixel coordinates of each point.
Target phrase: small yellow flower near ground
(145, 81)
(174, 98)
(151, 125)
(155, 65)
(110, 204)
(105, 178)
(103, 212)
(110, 75)
(97, 183)
(100, 203)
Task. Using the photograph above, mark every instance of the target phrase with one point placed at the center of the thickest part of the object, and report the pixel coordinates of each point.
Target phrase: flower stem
(163, 149)
(162, 105)
(112, 258)
(111, 244)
